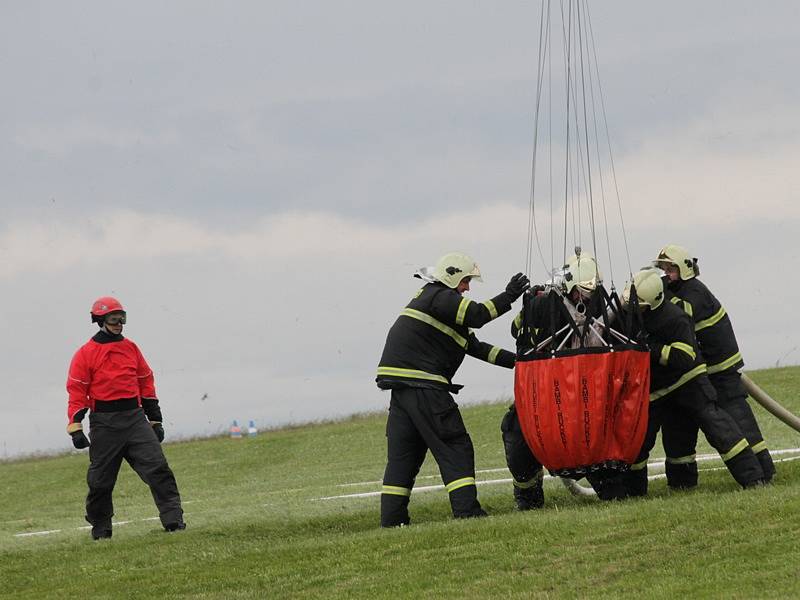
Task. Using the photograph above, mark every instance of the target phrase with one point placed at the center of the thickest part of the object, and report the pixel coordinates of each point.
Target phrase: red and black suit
(110, 378)
(717, 341)
(423, 351)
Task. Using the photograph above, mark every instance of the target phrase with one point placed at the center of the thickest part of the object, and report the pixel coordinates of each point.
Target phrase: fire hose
(770, 405)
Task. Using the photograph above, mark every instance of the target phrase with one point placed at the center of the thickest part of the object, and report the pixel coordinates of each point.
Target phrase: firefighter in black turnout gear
(680, 388)
(423, 351)
(714, 332)
(581, 277)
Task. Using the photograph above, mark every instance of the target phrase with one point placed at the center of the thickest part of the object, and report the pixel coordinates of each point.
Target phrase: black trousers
(127, 435)
(696, 401)
(523, 465)
(420, 420)
(680, 434)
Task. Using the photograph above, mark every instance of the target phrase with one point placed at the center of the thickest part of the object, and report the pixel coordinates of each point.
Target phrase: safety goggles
(118, 318)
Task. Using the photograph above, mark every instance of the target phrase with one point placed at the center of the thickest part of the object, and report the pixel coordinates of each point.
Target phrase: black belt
(116, 405)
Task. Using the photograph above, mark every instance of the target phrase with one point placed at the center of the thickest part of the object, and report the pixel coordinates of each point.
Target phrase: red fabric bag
(586, 410)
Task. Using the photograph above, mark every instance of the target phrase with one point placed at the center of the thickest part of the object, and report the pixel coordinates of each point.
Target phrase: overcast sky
(257, 182)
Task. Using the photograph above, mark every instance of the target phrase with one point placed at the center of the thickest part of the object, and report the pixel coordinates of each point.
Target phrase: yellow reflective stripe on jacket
(462, 311)
(682, 460)
(639, 465)
(493, 354)
(664, 357)
(685, 348)
(687, 306)
(446, 329)
(759, 447)
(395, 490)
(739, 447)
(725, 364)
(459, 483)
(518, 321)
(713, 320)
(688, 376)
(411, 374)
(491, 308)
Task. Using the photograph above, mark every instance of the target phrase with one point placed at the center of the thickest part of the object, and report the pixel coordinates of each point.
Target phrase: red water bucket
(584, 411)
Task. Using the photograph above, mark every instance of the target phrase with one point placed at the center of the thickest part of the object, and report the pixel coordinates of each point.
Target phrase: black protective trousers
(523, 465)
(419, 420)
(696, 401)
(680, 435)
(127, 435)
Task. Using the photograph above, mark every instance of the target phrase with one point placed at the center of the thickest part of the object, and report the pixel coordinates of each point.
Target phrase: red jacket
(107, 368)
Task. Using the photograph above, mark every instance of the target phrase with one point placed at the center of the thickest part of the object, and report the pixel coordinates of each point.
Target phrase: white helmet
(454, 267)
(649, 288)
(680, 257)
(581, 270)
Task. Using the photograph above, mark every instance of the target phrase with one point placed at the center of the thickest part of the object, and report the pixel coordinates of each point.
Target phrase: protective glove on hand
(517, 286)
(159, 429)
(79, 439)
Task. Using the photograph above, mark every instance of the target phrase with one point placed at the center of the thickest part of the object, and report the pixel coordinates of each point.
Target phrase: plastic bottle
(251, 429)
(236, 431)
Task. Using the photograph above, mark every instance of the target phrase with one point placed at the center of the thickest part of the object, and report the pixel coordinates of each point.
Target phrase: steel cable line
(580, 124)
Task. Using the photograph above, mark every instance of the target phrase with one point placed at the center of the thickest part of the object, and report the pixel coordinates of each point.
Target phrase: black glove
(159, 429)
(517, 286)
(79, 439)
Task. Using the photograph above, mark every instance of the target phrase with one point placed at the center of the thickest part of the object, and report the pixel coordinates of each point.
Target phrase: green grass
(257, 529)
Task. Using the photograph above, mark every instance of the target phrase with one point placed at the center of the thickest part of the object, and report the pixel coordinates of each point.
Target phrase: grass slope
(257, 527)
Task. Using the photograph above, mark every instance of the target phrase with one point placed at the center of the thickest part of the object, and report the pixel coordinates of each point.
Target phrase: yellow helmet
(582, 271)
(455, 266)
(680, 257)
(649, 288)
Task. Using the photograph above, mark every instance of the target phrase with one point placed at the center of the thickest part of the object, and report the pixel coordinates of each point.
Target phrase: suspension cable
(532, 226)
(610, 153)
(583, 172)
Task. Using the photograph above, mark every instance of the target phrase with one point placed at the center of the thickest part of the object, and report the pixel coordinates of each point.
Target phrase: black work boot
(635, 482)
(681, 476)
(101, 531)
(178, 526)
(608, 485)
(767, 465)
(529, 498)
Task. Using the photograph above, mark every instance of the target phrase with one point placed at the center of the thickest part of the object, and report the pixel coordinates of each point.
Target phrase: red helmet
(103, 306)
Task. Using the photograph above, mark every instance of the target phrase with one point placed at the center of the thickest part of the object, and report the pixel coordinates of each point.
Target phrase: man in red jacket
(110, 378)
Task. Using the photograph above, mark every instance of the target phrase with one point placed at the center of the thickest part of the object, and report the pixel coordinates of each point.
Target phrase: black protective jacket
(712, 326)
(675, 358)
(430, 338)
(541, 316)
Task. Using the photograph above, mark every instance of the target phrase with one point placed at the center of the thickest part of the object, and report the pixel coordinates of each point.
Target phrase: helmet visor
(115, 318)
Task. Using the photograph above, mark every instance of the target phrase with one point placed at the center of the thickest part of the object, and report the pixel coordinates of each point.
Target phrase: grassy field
(258, 528)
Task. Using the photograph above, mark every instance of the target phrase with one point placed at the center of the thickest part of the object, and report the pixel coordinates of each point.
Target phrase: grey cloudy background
(256, 182)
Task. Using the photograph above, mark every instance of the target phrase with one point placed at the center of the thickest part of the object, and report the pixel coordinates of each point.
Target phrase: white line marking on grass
(83, 527)
(700, 457)
(428, 488)
(32, 533)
